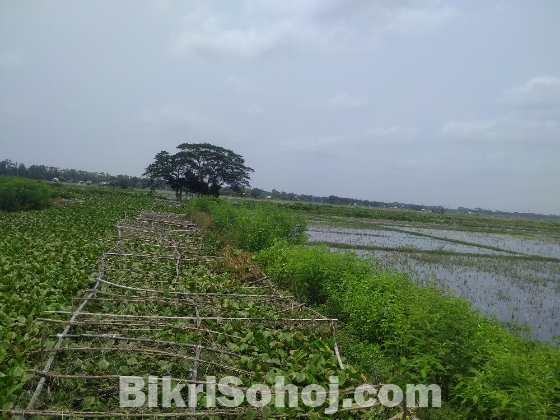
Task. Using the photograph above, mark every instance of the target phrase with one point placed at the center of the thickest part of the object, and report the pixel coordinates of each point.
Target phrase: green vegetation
(361, 214)
(543, 229)
(200, 169)
(418, 334)
(341, 245)
(250, 229)
(45, 258)
(18, 194)
(48, 173)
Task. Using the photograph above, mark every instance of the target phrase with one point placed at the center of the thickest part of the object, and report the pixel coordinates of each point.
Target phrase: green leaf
(266, 411)
(250, 415)
(88, 402)
(103, 364)
(18, 371)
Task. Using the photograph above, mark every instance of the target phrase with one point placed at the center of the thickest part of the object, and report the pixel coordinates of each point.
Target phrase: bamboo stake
(338, 357)
(93, 414)
(210, 318)
(141, 256)
(97, 377)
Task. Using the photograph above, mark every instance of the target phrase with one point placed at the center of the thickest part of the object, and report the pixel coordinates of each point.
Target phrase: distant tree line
(282, 195)
(48, 173)
(345, 201)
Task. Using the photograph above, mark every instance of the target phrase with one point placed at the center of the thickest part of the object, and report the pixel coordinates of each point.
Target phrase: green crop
(50, 256)
(46, 257)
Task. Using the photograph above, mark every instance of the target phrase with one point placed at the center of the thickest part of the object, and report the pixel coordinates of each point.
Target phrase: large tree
(169, 169)
(199, 168)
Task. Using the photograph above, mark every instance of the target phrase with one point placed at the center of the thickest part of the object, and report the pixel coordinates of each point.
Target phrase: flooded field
(543, 247)
(389, 239)
(503, 282)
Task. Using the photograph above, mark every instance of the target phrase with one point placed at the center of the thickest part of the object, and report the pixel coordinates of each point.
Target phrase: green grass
(341, 245)
(360, 223)
(463, 221)
(417, 334)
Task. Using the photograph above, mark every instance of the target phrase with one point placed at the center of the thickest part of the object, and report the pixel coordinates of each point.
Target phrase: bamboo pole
(209, 318)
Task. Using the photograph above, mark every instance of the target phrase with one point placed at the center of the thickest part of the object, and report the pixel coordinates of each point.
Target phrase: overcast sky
(443, 103)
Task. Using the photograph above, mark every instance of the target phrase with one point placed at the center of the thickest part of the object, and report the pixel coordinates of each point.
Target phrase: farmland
(51, 262)
(410, 322)
(510, 273)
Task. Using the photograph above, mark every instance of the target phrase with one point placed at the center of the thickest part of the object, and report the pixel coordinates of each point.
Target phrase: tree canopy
(200, 169)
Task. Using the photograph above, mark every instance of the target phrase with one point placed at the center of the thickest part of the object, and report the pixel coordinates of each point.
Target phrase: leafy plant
(18, 194)
(418, 334)
(250, 229)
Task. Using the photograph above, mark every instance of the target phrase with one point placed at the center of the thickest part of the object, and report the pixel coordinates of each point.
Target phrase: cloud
(173, 115)
(8, 59)
(393, 136)
(255, 110)
(540, 96)
(410, 20)
(468, 129)
(346, 144)
(241, 84)
(316, 146)
(258, 28)
(537, 83)
(527, 120)
(345, 101)
(340, 101)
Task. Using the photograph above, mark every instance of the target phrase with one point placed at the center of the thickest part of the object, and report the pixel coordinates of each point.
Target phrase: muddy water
(507, 242)
(518, 291)
(510, 291)
(388, 239)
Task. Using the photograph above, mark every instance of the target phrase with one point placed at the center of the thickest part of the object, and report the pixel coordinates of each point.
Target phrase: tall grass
(17, 194)
(250, 229)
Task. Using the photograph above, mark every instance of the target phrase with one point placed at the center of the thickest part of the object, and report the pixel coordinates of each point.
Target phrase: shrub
(250, 229)
(419, 334)
(18, 194)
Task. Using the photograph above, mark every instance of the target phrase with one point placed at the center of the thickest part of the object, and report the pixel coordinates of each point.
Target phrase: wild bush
(250, 229)
(17, 194)
(419, 334)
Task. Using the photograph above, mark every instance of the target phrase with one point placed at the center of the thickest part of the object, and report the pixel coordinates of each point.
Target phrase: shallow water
(388, 239)
(507, 242)
(513, 290)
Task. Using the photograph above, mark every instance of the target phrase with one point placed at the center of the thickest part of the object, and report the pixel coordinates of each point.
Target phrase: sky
(451, 103)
